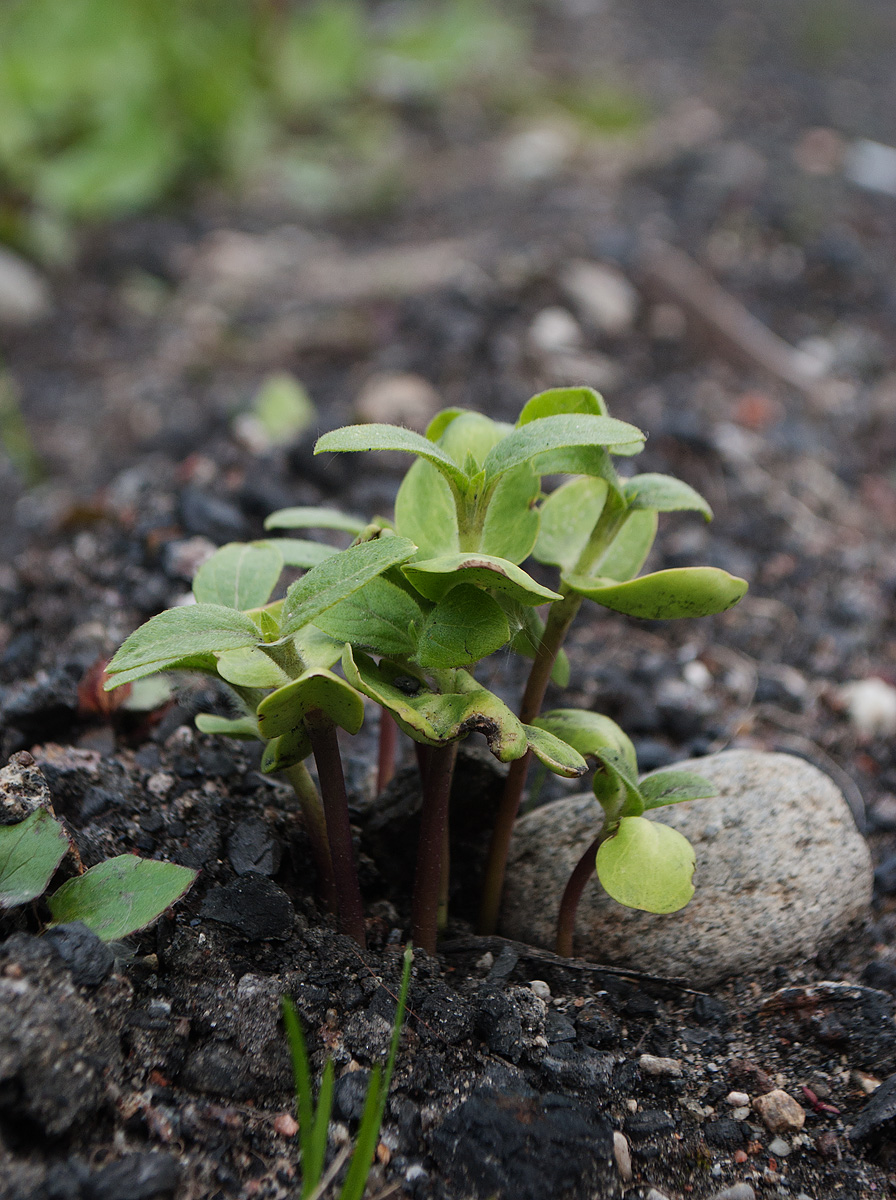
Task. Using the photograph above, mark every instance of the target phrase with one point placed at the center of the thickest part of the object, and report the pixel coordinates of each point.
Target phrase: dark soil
(163, 1072)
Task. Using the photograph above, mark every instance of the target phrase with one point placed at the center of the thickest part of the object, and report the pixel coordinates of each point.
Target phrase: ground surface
(170, 1076)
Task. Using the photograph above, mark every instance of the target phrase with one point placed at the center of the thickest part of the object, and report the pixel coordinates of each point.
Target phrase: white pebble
(555, 329)
(623, 1157)
(779, 1147)
(871, 704)
(737, 1099)
(540, 989)
(652, 1065)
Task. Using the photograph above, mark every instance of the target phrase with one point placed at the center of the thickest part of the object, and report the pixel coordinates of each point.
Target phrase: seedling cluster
(414, 605)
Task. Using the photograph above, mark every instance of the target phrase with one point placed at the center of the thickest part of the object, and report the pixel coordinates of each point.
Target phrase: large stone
(781, 870)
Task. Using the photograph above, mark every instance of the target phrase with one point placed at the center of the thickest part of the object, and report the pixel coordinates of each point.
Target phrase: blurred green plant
(111, 106)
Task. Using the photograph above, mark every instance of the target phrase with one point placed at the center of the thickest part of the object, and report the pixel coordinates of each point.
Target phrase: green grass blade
(314, 1168)
(302, 1075)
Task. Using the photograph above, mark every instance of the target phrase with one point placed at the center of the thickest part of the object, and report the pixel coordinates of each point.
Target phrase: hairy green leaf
(313, 518)
(664, 493)
(244, 728)
(511, 519)
(381, 616)
(627, 553)
(465, 626)
(435, 577)
(120, 895)
(441, 421)
(425, 511)
(589, 733)
(358, 438)
(672, 787)
(470, 436)
(558, 756)
(338, 577)
(30, 852)
(181, 633)
(436, 718)
(556, 401)
(250, 667)
(297, 552)
(285, 710)
(240, 575)
(568, 517)
(664, 595)
(647, 865)
(556, 433)
(207, 664)
(316, 648)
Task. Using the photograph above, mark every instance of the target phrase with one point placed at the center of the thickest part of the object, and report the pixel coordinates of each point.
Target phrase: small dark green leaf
(465, 626)
(558, 756)
(30, 852)
(297, 552)
(381, 616)
(313, 518)
(244, 728)
(435, 577)
(664, 493)
(556, 401)
(120, 895)
(425, 511)
(568, 517)
(590, 733)
(648, 866)
(627, 553)
(672, 787)
(556, 433)
(181, 633)
(359, 438)
(338, 577)
(284, 710)
(665, 595)
(240, 575)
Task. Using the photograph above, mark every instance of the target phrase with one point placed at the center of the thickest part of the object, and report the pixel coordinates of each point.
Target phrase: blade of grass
(314, 1168)
(302, 1076)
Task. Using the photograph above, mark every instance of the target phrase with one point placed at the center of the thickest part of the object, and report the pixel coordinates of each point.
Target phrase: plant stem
(560, 617)
(572, 894)
(325, 744)
(316, 828)
(430, 856)
(388, 743)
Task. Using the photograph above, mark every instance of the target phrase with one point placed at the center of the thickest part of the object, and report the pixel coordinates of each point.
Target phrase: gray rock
(24, 295)
(781, 869)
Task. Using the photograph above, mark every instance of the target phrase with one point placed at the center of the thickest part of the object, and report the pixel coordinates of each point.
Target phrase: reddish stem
(566, 918)
(387, 747)
(433, 839)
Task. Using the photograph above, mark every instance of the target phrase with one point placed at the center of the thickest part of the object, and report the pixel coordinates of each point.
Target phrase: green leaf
(206, 664)
(240, 575)
(626, 554)
(557, 401)
(244, 728)
(589, 733)
(665, 595)
(250, 667)
(338, 577)
(568, 517)
(672, 787)
(285, 751)
(465, 626)
(181, 633)
(313, 518)
(297, 552)
(469, 438)
(120, 895)
(425, 511)
(648, 866)
(558, 756)
(435, 577)
(316, 648)
(436, 718)
(359, 438)
(556, 433)
(284, 710)
(511, 519)
(441, 421)
(664, 493)
(283, 408)
(617, 782)
(30, 852)
(381, 616)
(301, 1068)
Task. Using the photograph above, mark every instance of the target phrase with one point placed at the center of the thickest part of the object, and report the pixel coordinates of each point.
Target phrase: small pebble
(737, 1099)
(652, 1065)
(780, 1113)
(623, 1156)
(286, 1125)
(540, 989)
(779, 1147)
(653, 1194)
(740, 1191)
(871, 704)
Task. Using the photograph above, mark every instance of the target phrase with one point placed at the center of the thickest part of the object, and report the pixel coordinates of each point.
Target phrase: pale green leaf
(206, 664)
(435, 577)
(30, 852)
(240, 575)
(313, 518)
(283, 408)
(316, 648)
(426, 512)
(250, 667)
(664, 493)
(244, 728)
(120, 895)
(359, 438)
(627, 553)
(338, 577)
(181, 633)
(568, 517)
(557, 401)
(556, 433)
(285, 709)
(673, 787)
(381, 616)
(665, 595)
(298, 552)
(465, 626)
(283, 752)
(558, 756)
(441, 421)
(648, 866)
(469, 438)
(511, 519)
(589, 733)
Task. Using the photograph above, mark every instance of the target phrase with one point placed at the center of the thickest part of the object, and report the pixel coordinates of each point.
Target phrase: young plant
(114, 899)
(314, 1118)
